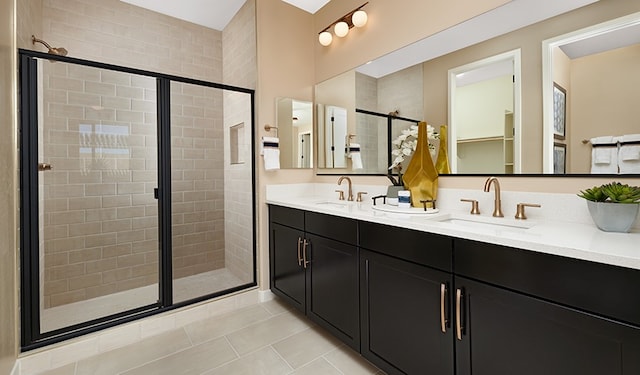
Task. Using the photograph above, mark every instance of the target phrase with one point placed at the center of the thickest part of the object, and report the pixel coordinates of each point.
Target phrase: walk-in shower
(137, 193)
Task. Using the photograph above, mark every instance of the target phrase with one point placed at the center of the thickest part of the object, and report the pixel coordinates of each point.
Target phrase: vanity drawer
(603, 289)
(290, 217)
(334, 227)
(423, 248)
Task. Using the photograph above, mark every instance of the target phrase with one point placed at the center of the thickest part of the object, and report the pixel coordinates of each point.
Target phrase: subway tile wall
(240, 69)
(382, 95)
(101, 213)
(197, 174)
(370, 140)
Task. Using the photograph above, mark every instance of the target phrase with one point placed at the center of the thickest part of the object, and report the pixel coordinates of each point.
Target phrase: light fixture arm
(346, 18)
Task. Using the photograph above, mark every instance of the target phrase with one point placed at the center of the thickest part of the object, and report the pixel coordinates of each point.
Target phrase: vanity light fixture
(341, 26)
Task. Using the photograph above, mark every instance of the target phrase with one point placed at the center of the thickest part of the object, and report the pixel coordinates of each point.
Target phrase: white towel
(629, 155)
(270, 152)
(604, 158)
(356, 157)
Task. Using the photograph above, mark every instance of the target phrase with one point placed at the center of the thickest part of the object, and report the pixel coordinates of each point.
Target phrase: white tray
(410, 210)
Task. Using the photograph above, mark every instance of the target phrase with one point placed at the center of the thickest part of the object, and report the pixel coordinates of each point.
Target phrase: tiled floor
(265, 338)
(184, 289)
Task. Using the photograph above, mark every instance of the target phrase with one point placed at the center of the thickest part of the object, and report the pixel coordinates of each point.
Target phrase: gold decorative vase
(421, 177)
(442, 162)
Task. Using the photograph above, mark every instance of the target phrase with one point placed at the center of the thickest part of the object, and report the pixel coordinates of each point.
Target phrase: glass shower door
(97, 171)
(211, 189)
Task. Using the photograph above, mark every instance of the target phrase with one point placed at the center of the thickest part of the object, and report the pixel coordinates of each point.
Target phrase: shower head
(54, 51)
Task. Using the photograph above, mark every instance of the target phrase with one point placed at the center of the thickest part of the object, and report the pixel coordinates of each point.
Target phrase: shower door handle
(42, 167)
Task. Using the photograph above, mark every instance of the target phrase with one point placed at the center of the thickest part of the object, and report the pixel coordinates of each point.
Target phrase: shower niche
(143, 205)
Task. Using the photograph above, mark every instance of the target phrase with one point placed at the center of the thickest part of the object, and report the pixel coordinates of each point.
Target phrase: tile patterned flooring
(265, 338)
(184, 289)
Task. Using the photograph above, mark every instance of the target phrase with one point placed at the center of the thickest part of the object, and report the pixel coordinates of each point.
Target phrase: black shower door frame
(31, 335)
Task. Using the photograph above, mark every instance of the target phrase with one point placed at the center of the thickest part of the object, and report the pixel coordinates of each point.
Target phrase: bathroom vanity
(416, 295)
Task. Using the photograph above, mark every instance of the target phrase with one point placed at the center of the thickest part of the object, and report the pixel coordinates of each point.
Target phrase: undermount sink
(333, 204)
(483, 222)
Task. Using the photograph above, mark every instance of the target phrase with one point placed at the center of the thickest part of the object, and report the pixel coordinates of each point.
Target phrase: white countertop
(550, 235)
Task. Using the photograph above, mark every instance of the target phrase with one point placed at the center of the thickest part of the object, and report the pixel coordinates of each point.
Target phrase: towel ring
(268, 128)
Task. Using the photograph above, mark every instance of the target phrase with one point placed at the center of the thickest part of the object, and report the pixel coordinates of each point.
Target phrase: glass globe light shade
(359, 18)
(325, 38)
(341, 29)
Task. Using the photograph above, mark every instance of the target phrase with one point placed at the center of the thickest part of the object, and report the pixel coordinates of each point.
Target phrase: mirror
(294, 127)
(484, 115)
(588, 76)
(445, 51)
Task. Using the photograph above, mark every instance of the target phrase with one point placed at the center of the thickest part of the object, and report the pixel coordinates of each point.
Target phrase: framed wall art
(559, 111)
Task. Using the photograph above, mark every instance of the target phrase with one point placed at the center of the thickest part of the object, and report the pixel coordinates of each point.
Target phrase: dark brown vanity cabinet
(314, 266)
(419, 303)
(522, 312)
(405, 300)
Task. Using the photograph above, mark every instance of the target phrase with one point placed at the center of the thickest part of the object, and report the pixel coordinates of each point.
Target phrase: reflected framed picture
(559, 158)
(559, 111)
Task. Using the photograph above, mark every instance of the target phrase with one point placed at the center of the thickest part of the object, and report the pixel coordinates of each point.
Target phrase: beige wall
(286, 69)
(616, 77)
(8, 190)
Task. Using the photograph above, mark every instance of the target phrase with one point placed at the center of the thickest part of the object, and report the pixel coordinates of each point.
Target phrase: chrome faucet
(497, 206)
(350, 192)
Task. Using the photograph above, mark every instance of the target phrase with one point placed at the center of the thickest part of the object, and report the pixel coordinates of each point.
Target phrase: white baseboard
(265, 295)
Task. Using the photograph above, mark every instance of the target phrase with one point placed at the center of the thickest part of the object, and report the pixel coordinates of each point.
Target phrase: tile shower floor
(265, 338)
(183, 289)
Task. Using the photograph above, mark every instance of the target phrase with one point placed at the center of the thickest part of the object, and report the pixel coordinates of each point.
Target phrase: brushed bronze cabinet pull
(458, 314)
(299, 251)
(304, 253)
(443, 316)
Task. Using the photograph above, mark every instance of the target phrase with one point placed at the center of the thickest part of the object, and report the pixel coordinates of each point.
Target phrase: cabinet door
(506, 333)
(287, 272)
(332, 288)
(403, 305)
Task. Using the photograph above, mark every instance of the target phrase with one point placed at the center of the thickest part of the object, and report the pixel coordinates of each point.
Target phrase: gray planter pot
(613, 217)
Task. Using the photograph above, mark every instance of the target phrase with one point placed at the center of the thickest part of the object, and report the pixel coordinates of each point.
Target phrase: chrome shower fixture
(60, 51)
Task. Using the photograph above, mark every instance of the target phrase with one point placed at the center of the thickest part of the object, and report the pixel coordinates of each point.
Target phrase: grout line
(281, 357)
(331, 363)
(161, 357)
(232, 347)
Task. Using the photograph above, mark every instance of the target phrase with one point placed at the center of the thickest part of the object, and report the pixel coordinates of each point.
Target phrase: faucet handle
(475, 210)
(341, 196)
(359, 198)
(520, 209)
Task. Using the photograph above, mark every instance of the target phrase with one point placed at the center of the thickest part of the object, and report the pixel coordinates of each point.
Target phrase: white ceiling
(310, 6)
(214, 14)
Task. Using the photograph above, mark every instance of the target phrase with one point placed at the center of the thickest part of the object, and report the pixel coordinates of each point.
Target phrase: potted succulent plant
(613, 206)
